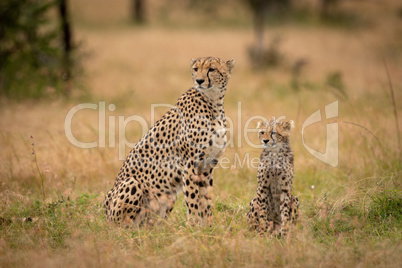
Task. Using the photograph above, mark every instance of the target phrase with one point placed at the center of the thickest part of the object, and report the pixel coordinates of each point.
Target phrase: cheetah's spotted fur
(274, 205)
(178, 153)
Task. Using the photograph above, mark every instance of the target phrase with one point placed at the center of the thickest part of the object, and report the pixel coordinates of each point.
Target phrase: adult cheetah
(178, 153)
(274, 205)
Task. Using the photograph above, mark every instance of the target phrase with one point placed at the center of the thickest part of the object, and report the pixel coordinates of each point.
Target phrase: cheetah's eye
(195, 69)
(262, 132)
(211, 69)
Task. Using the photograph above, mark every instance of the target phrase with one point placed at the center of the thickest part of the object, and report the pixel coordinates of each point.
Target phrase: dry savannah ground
(351, 213)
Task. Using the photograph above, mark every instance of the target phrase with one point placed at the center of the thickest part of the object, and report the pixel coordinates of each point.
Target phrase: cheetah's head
(274, 133)
(211, 73)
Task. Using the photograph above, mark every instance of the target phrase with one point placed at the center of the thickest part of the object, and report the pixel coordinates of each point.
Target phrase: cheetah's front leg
(259, 216)
(295, 209)
(205, 187)
(198, 201)
(253, 214)
(285, 204)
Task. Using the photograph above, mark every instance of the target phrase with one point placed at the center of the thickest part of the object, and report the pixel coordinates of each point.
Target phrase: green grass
(365, 222)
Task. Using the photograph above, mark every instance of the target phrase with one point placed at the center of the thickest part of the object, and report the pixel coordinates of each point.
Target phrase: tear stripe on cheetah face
(274, 206)
(210, 76)
(177, 154)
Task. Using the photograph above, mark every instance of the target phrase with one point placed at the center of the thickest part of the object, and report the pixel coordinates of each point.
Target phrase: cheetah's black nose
(200, 81)
(265, 141)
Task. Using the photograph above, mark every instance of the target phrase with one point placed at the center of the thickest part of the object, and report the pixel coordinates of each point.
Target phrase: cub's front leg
(253, 214)
(257, 216)
(295, 209)
(285, 207)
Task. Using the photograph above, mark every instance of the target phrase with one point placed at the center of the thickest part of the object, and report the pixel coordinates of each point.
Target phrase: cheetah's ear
(259, 124)
(284, 128)
(287, 126)
(230, 65)
(193, 61)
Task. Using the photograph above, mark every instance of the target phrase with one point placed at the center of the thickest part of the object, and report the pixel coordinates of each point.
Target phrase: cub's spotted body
(274, 206)
(178, 153)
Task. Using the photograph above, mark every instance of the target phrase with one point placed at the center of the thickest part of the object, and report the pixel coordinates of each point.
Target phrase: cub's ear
(259, 124)
(287, 125)
(193, 61)
(230, 65)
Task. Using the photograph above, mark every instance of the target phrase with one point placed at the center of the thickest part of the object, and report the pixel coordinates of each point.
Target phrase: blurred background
(47, 46)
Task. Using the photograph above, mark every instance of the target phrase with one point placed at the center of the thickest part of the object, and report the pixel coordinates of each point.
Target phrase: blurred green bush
(32, 54)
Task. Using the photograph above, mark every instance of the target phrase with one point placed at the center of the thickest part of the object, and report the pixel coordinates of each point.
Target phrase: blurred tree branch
(138, 11)
(67, 37)
(259, 54)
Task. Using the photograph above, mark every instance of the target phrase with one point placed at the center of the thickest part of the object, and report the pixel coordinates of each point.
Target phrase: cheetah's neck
(214, 95)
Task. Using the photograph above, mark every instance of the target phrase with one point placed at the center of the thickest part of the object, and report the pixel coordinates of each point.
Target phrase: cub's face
(274, 134)
(211, 73)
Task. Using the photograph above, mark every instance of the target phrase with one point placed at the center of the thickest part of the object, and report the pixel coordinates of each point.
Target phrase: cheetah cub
(274, 205)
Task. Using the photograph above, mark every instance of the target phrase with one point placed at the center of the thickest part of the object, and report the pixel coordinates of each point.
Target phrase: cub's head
(211, 73)
(274, 133)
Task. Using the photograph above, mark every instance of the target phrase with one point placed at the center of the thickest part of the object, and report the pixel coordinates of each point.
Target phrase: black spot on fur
(133, 190)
